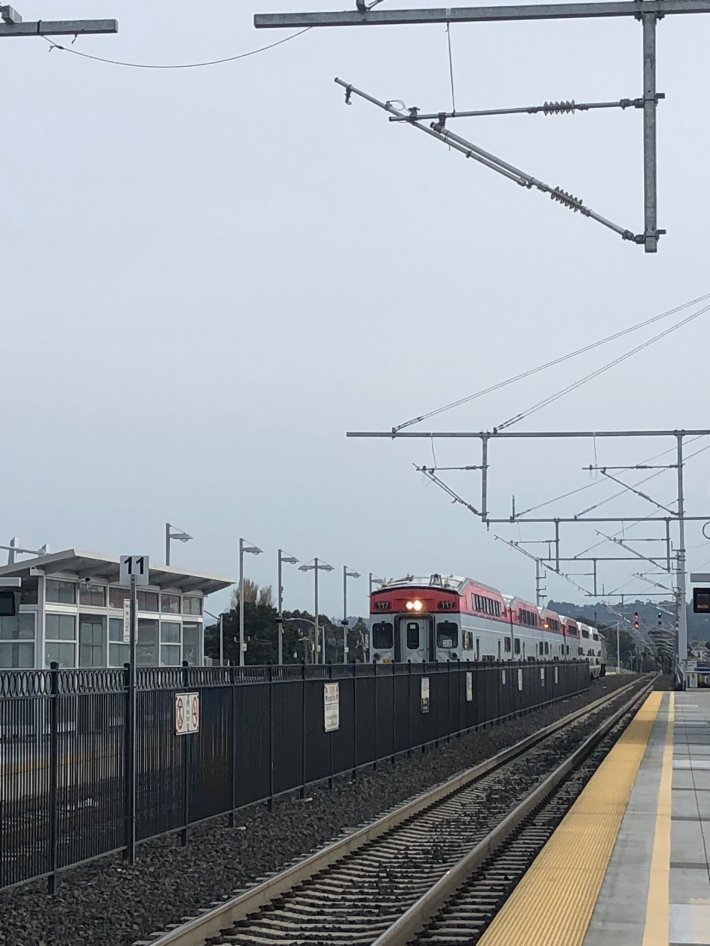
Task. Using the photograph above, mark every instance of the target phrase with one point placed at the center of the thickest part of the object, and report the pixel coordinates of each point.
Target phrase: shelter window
(17, 647)
(92, 595)
(29, 590)
(61, 592)
(191, 605)
(382, 635)
(447, 635)
(92, 638)
(147, 600)
(170, 604)
(191, 643)
(119, 652)
(116, 597)
(60, 627)
(63, 654)
(147, 643)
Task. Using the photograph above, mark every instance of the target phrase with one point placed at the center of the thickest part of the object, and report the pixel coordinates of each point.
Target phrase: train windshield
(383, 635)
(447, 635)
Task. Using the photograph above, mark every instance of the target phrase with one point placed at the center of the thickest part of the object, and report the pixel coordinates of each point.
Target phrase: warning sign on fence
(425, 694)
(187, 713)
(331, 706)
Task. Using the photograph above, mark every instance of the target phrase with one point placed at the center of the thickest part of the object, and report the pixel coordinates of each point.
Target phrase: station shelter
(72, 611)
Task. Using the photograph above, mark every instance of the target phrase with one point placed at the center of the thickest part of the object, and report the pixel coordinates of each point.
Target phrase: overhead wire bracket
(489, 160)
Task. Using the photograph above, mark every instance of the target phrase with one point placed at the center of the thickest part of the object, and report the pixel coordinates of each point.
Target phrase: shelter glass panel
(60, 627)
(92, 595)
(16, 655)
(147, 600)
(191, 604)
(17, 628)
(191, 644)
(170, 604)
(61, 592)
(116, 597)
(92, 641)
(64, 654)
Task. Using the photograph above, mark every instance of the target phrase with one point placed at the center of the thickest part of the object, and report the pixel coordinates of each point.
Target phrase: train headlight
(415, 605)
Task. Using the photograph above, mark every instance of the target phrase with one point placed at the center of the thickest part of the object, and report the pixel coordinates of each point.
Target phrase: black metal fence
(66, 742)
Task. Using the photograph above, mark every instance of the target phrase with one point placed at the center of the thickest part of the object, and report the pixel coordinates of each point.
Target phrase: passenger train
(446, 618)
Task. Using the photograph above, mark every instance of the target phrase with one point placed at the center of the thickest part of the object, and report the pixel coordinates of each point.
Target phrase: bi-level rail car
(448, 618)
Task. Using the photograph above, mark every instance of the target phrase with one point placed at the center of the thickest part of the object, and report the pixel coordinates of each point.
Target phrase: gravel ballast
(108, 903)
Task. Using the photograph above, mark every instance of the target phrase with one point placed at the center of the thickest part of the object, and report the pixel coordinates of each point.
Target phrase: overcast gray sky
(209, 275)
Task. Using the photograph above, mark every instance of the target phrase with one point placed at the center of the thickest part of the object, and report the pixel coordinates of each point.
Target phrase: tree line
(261, 632)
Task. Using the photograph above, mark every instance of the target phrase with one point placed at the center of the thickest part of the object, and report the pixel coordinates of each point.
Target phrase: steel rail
(411, 922)
(209, 923)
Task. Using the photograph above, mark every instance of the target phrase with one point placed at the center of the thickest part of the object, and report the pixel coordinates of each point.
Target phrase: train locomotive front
(417, 620)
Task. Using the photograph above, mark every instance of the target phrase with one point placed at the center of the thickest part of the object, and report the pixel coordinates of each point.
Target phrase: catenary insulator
(559, 108)
(568, 200)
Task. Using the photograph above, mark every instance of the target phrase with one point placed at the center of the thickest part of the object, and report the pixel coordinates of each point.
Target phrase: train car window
(447, 635)
(383, 635)
(477, 602)
(507, 645)
(467, 640)
(412, 635)
(595, 636)
(497, 604)
(542, 648)
(517, 645)
(547, 647)
(585, 632)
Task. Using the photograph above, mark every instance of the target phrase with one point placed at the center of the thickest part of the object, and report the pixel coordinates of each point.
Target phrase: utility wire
(598, 371)
(184, 65)
(550, 364)
(451, 67)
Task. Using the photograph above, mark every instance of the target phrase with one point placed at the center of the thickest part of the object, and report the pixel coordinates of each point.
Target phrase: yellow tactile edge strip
(656, 929)
(553, 904)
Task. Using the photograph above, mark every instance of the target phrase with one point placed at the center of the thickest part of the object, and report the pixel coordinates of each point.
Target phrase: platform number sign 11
(134, 566)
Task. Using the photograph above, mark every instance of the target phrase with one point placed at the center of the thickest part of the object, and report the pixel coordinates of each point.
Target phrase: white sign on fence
(502, 677)
(557, 675)
(542, 676)
(331, 706)
(469, 686)
(127, 621)
(520, 679)
(187, 713)
(425, 694)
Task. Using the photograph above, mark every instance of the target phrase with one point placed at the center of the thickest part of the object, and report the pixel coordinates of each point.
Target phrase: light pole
(173, 533)
(293, 620)
(220, 618)
(288, 560)
(372, 582)
(316, 567)
(346, 574)
(252, 550)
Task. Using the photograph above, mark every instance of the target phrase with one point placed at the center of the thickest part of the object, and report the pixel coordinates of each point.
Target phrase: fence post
(187, 759)
(410, 714)
(331, 734)
(374, 728)
(129, 677)
(354, 771)
(394, 733)
(53, 774)
(270, 804)
(233, 682)
(303, 730)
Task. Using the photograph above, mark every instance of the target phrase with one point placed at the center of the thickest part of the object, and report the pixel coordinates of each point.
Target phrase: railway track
(395, 881)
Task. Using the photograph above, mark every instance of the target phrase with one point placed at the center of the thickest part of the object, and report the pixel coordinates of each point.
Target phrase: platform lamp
(172, 533)
(251, 550)
(316, 567)
(372, 582)
(282, 560)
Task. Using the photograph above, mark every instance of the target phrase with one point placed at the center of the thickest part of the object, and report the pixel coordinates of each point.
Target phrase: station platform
(630, 863)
